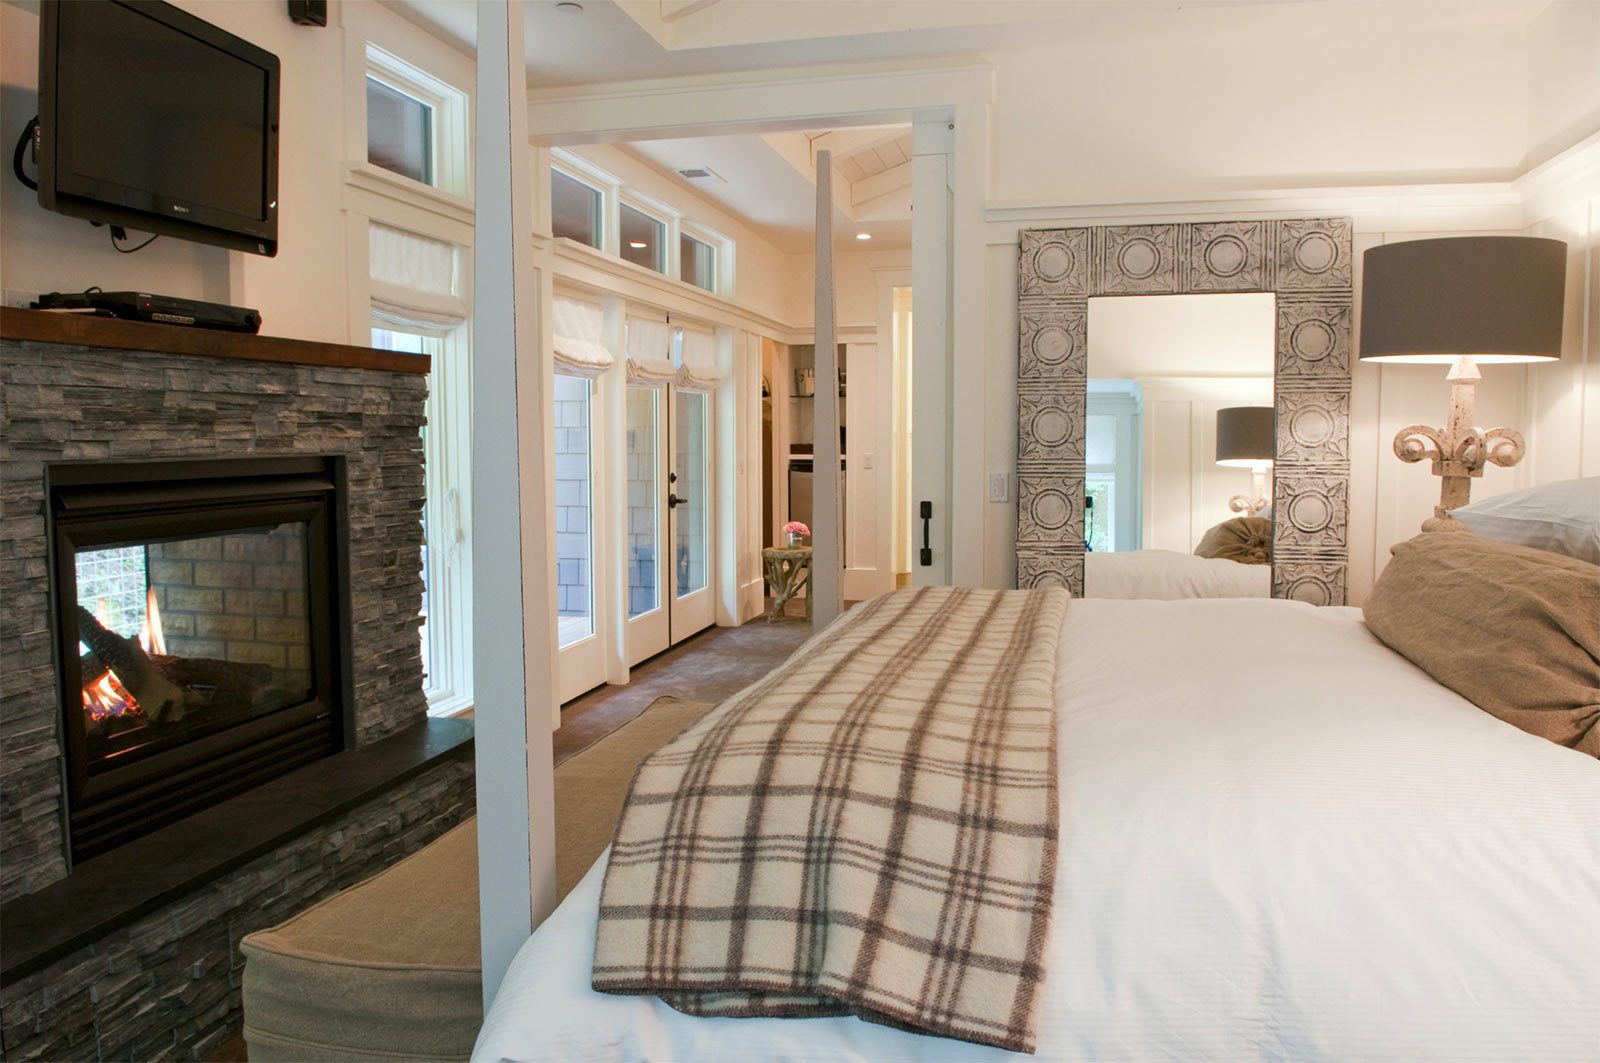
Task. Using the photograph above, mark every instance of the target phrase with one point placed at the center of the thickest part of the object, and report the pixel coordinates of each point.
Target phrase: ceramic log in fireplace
(200, 633)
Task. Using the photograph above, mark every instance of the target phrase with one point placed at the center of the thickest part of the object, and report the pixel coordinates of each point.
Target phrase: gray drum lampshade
(1244, 435)
(1493, 298)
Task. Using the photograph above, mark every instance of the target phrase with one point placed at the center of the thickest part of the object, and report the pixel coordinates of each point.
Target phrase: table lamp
(1462, 301)
(1245, 441)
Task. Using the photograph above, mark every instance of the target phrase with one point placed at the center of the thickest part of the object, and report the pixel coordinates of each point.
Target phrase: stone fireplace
(211, 707)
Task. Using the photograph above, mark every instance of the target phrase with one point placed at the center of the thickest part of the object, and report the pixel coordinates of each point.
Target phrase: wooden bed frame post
(514, 642)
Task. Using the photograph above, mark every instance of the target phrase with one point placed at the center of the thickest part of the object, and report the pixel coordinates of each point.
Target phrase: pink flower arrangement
(795, 527)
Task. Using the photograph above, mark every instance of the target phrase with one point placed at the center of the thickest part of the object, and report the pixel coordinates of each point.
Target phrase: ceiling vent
(702, 173)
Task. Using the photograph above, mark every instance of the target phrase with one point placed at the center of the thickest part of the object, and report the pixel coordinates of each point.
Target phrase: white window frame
(447, 478)
(669, 229)
(718, 246)
(451, 140)
(607, 194)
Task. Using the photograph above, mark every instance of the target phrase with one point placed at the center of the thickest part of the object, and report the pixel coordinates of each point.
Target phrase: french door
(689, 512)
(581, 657)
(669, 558)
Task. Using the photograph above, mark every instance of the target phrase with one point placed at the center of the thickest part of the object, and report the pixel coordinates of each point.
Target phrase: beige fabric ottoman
(387, 970)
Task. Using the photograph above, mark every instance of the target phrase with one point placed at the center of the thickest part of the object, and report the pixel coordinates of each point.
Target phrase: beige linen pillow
(1514, 630)
(1247, 540)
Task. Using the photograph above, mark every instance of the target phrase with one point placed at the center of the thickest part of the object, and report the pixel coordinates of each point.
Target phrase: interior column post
(826, 532)
(514, 661)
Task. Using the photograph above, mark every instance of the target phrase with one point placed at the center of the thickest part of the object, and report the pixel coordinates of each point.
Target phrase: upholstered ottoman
(386, 970)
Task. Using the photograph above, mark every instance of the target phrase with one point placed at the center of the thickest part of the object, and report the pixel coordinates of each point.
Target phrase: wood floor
(708, 667)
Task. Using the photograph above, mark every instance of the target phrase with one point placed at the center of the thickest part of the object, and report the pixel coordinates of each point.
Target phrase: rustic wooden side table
(788, 570)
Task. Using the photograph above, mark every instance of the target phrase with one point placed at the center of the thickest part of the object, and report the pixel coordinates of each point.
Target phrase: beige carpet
(592, 785)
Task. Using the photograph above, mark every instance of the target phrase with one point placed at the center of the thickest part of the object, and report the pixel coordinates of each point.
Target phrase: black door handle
(673, 500)
(926, 557)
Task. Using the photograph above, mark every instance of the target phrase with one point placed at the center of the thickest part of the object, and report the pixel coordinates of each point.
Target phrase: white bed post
(513, 662)
(826, 533)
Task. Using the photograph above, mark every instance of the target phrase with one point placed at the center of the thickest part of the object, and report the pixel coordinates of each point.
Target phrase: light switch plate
(999, 487)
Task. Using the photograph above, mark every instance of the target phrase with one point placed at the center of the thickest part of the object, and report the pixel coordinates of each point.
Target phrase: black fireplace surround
(201, 630)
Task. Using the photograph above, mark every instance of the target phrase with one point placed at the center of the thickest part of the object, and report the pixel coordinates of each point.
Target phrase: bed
(1168, 575)
(1336, 859)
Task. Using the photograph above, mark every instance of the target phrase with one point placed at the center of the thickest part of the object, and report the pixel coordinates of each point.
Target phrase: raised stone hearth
(92, 971)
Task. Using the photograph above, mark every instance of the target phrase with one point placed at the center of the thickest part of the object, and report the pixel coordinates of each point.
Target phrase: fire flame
(106, 696)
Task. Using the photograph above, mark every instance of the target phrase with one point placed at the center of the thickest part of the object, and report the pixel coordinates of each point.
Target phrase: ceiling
(769, 182)
(628, 40)
(768, 179)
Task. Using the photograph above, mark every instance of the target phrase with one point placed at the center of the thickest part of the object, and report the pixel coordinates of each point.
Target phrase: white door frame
(959, 96)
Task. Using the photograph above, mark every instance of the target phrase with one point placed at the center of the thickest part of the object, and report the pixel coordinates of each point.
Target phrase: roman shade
(649, 351)
(697, 360)
(414, 282)
(578, 328)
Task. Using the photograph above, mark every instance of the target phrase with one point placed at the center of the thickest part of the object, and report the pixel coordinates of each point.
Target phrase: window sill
(375, 180)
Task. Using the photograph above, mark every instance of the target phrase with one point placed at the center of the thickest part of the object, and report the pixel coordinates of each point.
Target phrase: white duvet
(1280, 840)
(1169, 576)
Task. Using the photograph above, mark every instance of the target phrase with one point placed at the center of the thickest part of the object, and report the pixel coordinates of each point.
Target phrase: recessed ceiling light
(638, 245)
(863, 236)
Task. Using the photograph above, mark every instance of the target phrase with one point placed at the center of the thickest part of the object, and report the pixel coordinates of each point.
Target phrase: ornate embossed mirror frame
(1305, 262)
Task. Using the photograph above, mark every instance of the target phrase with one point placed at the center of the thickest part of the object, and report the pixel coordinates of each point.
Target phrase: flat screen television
(153, 119)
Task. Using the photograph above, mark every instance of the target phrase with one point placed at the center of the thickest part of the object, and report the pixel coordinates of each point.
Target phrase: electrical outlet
(866, 459)
(999, 487)
(19, 300)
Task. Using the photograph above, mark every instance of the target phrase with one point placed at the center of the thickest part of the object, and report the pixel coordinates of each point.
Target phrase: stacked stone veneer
(152, 989)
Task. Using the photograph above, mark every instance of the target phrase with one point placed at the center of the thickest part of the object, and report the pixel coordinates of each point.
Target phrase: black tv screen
(156, 120)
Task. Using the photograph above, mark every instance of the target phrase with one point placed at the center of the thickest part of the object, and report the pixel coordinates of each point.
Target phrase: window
(574, 514)
(643, 500)
(644, 239)
(697, 263)
(575, 209)
(446, 539)
(1111, 466)
(399, 132)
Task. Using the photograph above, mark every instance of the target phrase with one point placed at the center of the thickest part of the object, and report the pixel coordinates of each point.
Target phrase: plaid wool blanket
(871, 829)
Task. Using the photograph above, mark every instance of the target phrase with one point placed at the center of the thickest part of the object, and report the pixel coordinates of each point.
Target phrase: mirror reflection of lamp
(1245, 441)
(1462, 301)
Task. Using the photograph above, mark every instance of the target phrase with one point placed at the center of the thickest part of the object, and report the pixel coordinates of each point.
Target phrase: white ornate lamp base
(1257, 501)
(1458, 451)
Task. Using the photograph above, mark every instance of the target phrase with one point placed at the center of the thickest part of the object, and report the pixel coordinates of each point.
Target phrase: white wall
(1563, 77)
(1200, 111)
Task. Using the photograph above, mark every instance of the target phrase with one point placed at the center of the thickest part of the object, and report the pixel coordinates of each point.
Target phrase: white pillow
(1563, 518)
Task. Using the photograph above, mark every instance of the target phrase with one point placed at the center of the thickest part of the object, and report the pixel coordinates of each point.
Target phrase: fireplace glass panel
(185, 637)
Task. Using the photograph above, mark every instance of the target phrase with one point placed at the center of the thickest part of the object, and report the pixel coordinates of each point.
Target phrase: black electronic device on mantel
(153, 119)
(160, 309)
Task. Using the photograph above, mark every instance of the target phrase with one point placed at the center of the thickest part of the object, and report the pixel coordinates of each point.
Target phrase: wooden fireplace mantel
(86, 330)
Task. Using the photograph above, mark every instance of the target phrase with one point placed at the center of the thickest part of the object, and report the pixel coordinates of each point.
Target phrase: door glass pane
(399, 132)
(644, 498)
(690, 546)
(574, 519)
(574, 209)
(644, 239)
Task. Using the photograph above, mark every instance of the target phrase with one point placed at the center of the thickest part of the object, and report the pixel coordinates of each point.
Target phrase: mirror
(1178, 446)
